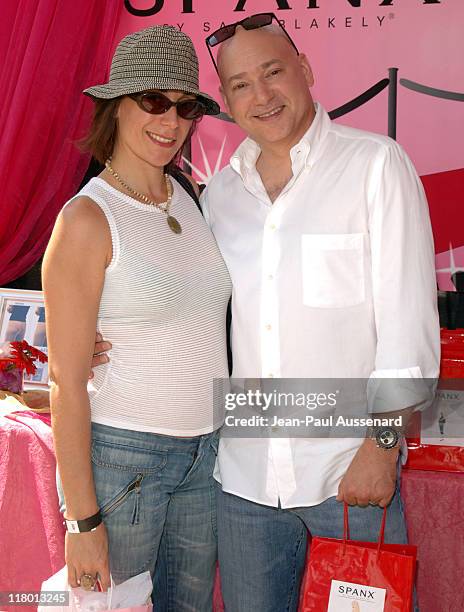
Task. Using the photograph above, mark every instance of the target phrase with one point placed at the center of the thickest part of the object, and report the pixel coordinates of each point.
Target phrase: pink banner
(351, 45)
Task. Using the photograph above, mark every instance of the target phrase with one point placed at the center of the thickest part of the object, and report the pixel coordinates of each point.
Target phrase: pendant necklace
(164, 207)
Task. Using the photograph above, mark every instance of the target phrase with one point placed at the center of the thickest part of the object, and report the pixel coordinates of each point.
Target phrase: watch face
(387, 438)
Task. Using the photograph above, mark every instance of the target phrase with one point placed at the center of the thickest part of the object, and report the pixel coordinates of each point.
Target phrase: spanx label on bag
(351, 597)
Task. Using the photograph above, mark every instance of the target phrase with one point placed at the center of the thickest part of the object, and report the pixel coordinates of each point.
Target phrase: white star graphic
(208, 174)
(452, 267)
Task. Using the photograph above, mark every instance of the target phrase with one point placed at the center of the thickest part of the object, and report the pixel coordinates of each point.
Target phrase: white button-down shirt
(335, 279)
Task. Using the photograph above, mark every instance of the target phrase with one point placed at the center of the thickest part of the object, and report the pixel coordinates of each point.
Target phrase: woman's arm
(73, 275)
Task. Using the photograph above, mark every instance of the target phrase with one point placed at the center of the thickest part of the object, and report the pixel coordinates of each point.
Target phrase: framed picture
(22, 317)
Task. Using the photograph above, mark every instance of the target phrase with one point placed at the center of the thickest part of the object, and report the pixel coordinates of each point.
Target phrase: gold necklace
(173, 223)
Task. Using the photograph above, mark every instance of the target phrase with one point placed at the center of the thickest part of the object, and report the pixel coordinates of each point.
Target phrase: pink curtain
(51, 50)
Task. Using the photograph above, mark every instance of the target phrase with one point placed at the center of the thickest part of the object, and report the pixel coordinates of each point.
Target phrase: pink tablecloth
(434, 508)
(32, 535)
(31, 529)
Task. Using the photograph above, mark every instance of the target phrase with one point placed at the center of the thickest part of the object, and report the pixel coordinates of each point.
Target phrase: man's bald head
(232, 45)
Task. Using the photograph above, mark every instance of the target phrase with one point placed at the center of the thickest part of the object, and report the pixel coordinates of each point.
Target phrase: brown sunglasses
(156, 103)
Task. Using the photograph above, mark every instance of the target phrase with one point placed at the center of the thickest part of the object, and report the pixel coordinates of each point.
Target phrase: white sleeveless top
(163, 308)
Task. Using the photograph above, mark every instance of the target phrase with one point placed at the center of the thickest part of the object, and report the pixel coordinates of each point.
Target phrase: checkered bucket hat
(160, 57)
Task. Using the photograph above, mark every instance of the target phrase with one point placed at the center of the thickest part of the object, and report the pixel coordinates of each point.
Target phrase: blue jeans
(262, 549)
(156, 494)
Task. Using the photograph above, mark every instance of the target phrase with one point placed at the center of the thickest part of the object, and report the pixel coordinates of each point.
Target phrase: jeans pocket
(131, 490)
(127, 458)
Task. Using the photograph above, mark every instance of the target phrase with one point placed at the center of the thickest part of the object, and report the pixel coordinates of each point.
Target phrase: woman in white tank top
(132, 257)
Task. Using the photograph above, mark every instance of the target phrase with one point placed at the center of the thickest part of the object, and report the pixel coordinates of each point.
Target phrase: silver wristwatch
(385, 437)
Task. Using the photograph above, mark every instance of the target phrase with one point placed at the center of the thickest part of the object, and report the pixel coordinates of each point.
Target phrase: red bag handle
(346, 528)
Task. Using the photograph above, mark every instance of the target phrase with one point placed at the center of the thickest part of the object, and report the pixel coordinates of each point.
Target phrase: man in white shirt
(326, 234)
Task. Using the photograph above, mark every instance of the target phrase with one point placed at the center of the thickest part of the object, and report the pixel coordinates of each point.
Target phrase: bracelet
(83, 525)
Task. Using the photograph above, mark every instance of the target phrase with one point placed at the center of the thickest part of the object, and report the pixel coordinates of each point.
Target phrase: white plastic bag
(133, 593)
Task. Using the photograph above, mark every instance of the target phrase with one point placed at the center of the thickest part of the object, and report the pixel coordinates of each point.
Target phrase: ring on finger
(87, 582)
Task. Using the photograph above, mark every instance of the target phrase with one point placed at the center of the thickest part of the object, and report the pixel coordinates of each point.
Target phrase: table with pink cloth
(31, 527)
(32, 534)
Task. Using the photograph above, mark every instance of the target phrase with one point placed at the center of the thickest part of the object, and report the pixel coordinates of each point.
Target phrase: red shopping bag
(348, 573)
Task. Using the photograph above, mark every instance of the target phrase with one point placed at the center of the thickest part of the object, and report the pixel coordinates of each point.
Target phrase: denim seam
(136, 469)
(158, 450)
(212, 497)
(292, 588)
(169, 581)
(153, 446)
(193, 468)
(96, 437)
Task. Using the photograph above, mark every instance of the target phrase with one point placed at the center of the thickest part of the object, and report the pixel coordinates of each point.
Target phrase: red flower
(23, 355)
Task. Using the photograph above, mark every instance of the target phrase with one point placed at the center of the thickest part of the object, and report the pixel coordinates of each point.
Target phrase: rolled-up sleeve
(404, 285)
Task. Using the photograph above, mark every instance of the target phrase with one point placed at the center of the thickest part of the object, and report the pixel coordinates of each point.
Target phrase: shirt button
(268, 327)
(271, 375)
(270, 277)
(272, 226)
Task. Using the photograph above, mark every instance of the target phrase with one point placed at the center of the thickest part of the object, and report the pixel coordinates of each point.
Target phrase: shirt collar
(243, 161)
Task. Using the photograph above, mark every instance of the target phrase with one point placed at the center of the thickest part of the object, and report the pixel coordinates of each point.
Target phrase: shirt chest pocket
(332, 270)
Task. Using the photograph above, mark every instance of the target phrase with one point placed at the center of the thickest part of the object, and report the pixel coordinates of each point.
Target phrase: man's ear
(224, 99)
(306, 69)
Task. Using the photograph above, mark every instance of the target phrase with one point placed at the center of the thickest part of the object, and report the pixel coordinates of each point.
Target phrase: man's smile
(272, 114)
